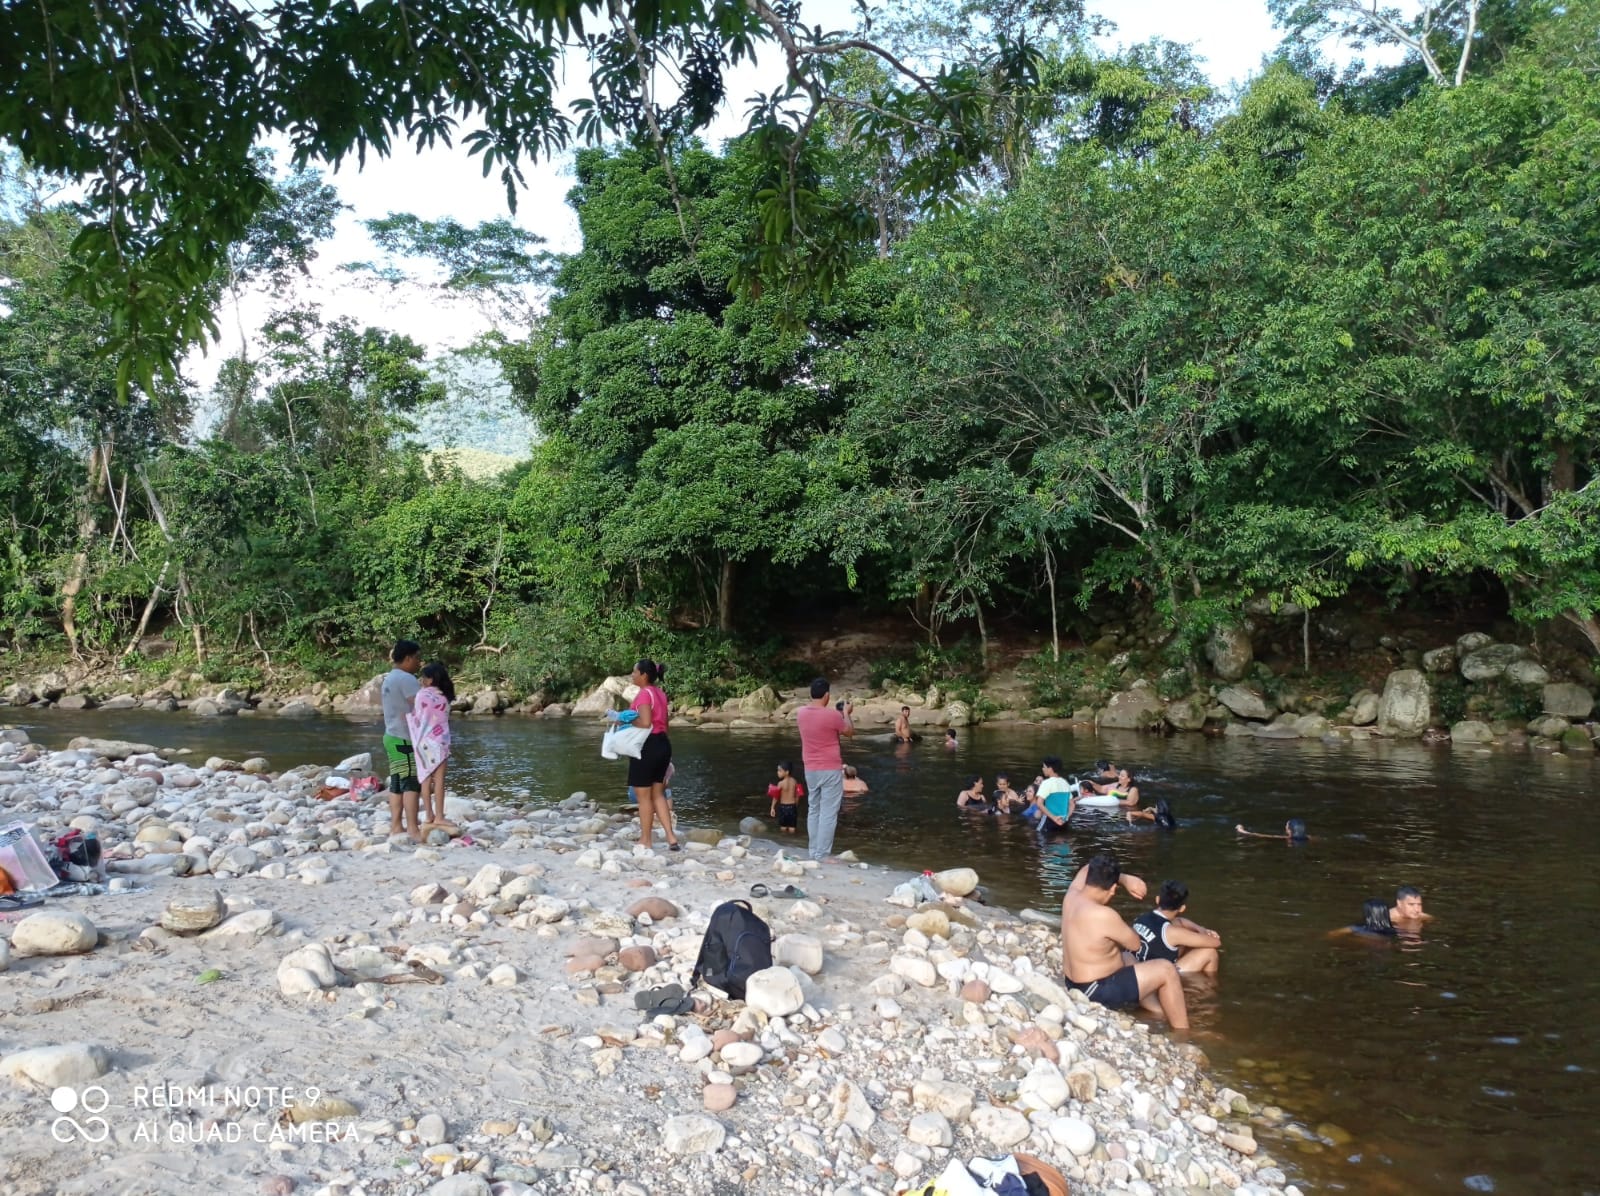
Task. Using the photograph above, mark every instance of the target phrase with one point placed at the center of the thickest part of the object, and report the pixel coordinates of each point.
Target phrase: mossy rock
(1576, 740)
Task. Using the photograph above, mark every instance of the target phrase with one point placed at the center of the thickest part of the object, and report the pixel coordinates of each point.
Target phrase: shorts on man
(402, 765)
(1114, 991)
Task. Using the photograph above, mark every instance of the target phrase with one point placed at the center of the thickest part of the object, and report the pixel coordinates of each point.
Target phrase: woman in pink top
(648, 774)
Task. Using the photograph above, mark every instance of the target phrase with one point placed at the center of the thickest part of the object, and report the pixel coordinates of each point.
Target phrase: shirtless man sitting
(902, 725)
(1166, 934)
(1407, 912)
(1093, 938)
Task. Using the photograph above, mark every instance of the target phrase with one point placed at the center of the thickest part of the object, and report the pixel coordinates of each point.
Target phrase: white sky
(1230, 37)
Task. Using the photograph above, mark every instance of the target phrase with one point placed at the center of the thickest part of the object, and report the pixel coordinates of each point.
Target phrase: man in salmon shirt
(820, 728)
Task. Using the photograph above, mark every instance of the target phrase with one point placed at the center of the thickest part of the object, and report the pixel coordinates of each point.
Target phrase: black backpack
(737, 945)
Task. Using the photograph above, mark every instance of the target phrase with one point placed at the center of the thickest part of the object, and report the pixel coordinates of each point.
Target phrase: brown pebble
(640, 882)
(584, 963)
(657, 907)
(975, 991)
(1036, 1042)
(723, 1037)
(277, 1185)
(1240, 1142)
(593, 945)
(637, 959)
(718, 1097)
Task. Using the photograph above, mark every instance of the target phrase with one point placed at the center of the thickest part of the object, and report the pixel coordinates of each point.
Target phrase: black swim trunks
(789, 815)
(1119, 988)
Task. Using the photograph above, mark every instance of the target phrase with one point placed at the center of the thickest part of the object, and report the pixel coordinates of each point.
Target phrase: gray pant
(824, 796)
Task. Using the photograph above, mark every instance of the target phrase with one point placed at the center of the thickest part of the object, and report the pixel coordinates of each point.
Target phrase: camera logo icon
(91, 1100)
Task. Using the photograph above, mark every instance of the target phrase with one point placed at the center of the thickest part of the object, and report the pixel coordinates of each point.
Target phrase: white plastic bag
(623, 741)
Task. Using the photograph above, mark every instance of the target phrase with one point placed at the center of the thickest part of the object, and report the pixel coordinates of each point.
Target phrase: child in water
(785, 795)
(854, 786)
(1375, 921)
(1294, 831)
(429, 724)
(950, 739)
(1160, 814)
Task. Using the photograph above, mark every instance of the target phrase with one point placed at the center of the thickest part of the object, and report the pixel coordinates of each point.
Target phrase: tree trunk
(88, 524)
(185, 601)
(1050, 576)
(1589, 625)
(725, 595)
(983, 636)
(149, 608)
(1564, 472)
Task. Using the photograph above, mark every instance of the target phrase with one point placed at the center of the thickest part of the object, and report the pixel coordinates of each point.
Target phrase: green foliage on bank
(1170, 354)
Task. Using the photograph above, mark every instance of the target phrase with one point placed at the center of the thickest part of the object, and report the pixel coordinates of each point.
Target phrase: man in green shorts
(400, 688)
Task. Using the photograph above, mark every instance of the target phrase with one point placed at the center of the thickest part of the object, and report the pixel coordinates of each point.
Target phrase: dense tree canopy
(1172, 354)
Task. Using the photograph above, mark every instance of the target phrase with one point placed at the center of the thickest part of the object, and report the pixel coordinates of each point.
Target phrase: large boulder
(1568, 700)
(1230, 651)
(1490, 661)
(1529, 673)
(762, 701)
(1186, 714)
(597, 701)
(1246, 702)
(1406, 706)
(1364, 708)
(1440, 660)
(368, 697)
(958, 713)
(111, 749)
(1471, 642)
(1135, 709)
(1471, 731)
(298, 708)
(19, 693)
(50, 686)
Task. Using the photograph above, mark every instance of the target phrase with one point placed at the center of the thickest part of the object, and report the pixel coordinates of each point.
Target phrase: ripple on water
(1506, 1040)
(1479, 1183)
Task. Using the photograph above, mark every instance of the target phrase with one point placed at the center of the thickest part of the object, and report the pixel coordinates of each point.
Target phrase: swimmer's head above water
(1295, 831)
(1165, 819)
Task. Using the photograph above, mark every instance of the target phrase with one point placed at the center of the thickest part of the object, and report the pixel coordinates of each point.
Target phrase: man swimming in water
(902, 725)
(1093, 938)
(1164, 933)
(1407, 912)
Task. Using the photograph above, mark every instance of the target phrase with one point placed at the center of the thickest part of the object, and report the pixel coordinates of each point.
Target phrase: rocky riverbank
(1475, 692)
(276, 997)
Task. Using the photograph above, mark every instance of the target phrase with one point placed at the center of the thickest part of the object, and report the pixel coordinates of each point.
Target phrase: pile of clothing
(1013, 1175)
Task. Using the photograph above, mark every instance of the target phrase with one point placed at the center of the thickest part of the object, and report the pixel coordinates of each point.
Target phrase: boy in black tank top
(1164, 933)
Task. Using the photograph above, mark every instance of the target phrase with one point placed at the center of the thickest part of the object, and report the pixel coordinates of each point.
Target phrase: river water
(1467, 1061)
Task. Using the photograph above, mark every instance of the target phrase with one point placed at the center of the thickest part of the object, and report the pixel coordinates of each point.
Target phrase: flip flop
(760, 890)
(671, 1008)
(664, 994)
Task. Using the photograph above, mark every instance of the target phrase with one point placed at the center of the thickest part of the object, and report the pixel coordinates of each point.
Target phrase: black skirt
(651, 766)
